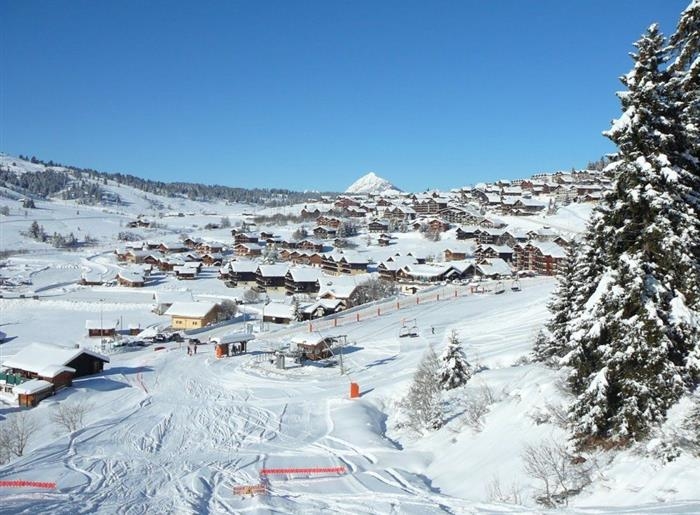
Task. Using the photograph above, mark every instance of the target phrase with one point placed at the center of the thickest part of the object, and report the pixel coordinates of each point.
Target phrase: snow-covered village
(523, 344)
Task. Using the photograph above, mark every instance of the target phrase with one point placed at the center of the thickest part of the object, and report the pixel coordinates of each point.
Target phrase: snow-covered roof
(132, 276)
(342, 286)
(500, 249)
(32, 386)
(279, 310)
(101, 324)
(304, 274)
(494, 266)
(38, 357)
(427, 270)
(396, 262)
(190, 309)
(250, 246)
(240, 267)
(276, 270)
(185, 270)
(233, 338)
(549, 248)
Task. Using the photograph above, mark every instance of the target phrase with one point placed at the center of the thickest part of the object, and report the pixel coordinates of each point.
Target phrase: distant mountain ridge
(34, 177)
(371, 183)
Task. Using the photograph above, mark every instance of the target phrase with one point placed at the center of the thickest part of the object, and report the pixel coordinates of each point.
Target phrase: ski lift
(515, 285)
(413, 331)
(499, 288)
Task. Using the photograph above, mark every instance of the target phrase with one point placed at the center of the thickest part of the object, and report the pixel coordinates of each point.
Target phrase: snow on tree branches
(625, 318)
(455, 371)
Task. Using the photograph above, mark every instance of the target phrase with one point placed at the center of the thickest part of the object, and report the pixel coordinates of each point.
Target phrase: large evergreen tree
(455, 370)
(630, 320)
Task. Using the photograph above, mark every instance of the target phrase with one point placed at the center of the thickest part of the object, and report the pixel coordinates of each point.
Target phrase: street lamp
(101, 328)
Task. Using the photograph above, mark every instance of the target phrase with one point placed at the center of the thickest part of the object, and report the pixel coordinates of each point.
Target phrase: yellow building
(192, 315)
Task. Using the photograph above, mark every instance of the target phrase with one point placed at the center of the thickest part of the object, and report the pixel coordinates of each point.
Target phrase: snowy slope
(169, 433)
(372, 183)
(172, 433)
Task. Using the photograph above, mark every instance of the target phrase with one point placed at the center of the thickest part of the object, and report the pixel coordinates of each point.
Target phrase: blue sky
(312, 95)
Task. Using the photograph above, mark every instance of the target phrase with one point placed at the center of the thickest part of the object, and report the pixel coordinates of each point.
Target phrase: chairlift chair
(499, 288)
(413, 331)
(515, 285)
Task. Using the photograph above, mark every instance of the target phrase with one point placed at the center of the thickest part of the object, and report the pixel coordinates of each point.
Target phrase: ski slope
(172, 433)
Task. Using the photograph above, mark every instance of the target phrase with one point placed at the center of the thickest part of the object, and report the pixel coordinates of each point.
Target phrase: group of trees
(422, 405)
(38, 233)
(371, 290)
(626, 313)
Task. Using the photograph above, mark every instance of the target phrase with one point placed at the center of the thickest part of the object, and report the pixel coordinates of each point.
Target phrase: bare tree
(477, 405)
(20, 429)
(71, 415)
(496, 492)
(227, 310)
(250, 296)
(560, 473)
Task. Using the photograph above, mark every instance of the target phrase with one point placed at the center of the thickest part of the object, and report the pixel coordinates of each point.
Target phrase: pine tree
(455, 370)
(632, 331)
(423, 401)
(554, 342)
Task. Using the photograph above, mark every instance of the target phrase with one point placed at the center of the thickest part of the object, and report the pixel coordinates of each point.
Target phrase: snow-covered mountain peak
(371, 183)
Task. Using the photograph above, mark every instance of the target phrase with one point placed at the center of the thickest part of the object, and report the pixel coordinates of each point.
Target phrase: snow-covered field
(170, 433)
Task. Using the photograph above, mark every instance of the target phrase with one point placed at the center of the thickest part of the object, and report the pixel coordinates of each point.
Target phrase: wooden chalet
(139, 223)
(271, 277)
(210, 248)
(301, 280)
(248, 249)
(503, 252)
(321, 308)
(378, 226)
(91, 278)
(185, 272)
(315, 348)
(101, 328)
(455, 254)
(243, 272)
(429, 205)
(191, 243)
(39, 370)
(329, 221)
(212, 259)
(309, 244)
(400, 213)
(437, 225)
(278, 313)
(384, 240)
(243, 237)
(388, 268)
(325, 233)
(344, 263)
(131, 278)
(428, 273)
(468, 232)
(489, 268)
(172, 248)
(192, 315)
